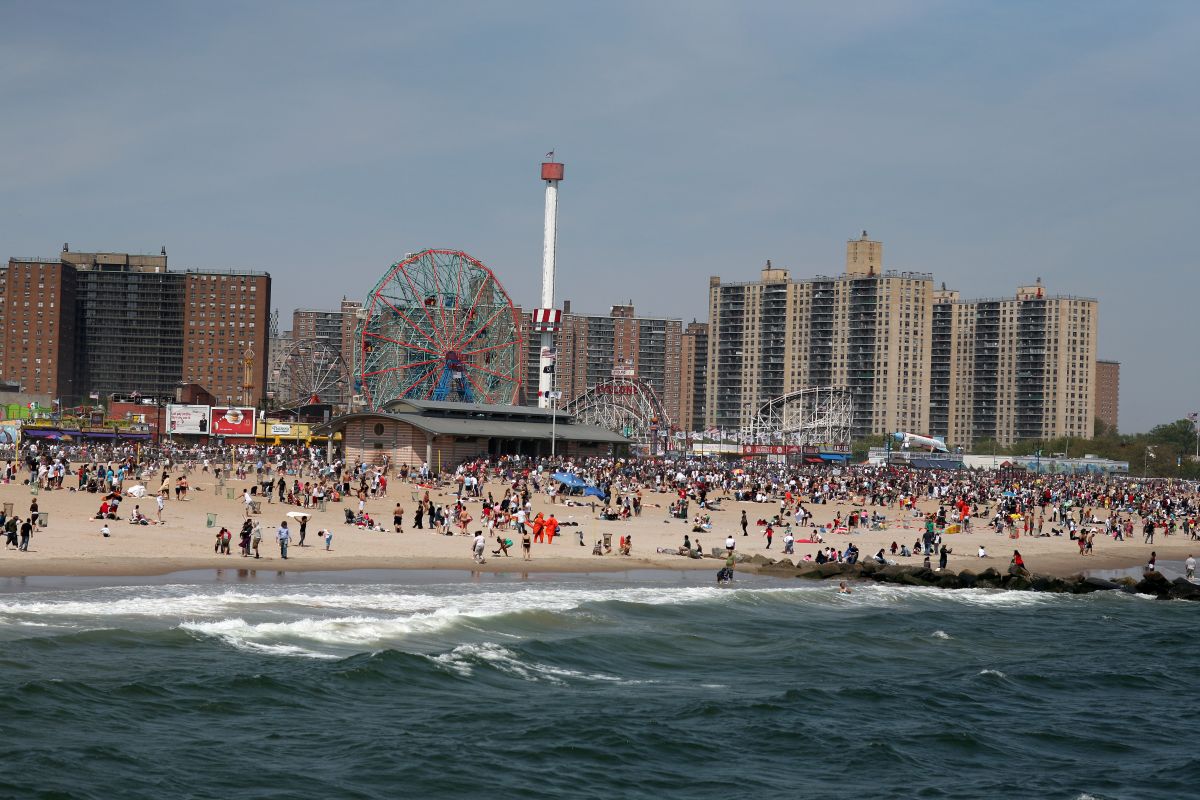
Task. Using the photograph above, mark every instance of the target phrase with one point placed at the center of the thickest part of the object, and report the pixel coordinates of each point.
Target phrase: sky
(989, 143)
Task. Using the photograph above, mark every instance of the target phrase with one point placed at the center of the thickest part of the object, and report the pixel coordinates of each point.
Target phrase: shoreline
(1054, 566)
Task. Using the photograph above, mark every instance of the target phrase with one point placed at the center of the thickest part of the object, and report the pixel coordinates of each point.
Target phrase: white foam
(993, 672)
(462, 659)
(941, 635)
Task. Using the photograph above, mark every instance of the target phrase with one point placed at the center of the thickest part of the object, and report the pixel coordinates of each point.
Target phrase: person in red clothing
(539, 528)
(551, 528)
(1017, 565)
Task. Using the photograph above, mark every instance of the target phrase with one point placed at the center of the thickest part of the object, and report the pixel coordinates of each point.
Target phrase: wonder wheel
(438, 326)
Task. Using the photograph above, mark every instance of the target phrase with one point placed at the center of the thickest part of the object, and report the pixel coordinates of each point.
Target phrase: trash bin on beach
(229, 495)
(607, 542)
(212, 521)
(255, 506)
(43, 519)
(321, 504)
(33, 488)
(8, 510)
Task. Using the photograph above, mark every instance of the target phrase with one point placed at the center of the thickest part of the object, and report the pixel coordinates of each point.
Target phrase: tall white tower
(546, 320)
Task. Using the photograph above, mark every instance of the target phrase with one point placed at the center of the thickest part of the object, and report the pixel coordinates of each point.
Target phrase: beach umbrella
(299, 514)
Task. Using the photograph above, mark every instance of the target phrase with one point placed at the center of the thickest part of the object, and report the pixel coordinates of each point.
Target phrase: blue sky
(987, 143)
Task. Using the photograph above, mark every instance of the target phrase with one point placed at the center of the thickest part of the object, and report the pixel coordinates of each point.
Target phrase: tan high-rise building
(1108, 393)
(693, 376)
(867, 330)
(916, 359)
(1014, 368)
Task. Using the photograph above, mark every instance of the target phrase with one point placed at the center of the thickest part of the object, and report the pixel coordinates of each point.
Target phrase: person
(398, 518)
(477, 547)
(843, 588)
(284, 536)
(1189, 567)
(327, 533)
(10, 531)
(246, 502)
(26, 534)
(303, 531)
(501, 545)
(551, 529)
(770, 534)
(104, 531)
(789, 541)
(880, 558)
(1016, 566)
(244, 539)
(256, 537)
(943, 557)
(982, 552)
(162, 503)
(627, 545)
(730, 543)
(745, 522)
(526, 544)
(1152, 564)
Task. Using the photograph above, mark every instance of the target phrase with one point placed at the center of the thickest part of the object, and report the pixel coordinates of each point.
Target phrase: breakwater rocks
(1153, 583)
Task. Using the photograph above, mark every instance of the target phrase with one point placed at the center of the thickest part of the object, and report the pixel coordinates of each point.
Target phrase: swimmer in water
(843, 588)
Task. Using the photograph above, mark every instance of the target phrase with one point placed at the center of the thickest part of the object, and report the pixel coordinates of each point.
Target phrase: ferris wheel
(307, 372)
(438, 326)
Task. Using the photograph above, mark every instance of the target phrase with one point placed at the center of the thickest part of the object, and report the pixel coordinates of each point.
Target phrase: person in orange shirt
(551, 528)
(539, 527)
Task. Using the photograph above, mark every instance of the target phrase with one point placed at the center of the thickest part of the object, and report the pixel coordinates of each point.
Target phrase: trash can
(43, 519)
(33, 488)
(255, 506)
(212, 521)
(8, 510)
(607, 542)
(229, 495)
(321, 505)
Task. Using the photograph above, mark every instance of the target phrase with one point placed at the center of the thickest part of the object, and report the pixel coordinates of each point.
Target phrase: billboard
(226, 421)
(187, 419)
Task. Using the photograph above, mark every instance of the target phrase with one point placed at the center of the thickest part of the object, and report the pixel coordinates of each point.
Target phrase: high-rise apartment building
(1108, 393)
(38, 315)
(314, 324)
(867, 330)
(118, 323)
(226, 328)
(130, 323)
(1013, 368)
(594, 348)
(693, 376)
(915, 359)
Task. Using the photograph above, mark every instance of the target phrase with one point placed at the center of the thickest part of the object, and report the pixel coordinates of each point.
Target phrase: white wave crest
(462, 660)
(941, 635)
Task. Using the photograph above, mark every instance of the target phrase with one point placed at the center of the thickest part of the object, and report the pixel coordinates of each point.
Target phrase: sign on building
(187, 419)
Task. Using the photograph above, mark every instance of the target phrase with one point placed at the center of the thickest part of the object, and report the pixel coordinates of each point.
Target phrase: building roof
(447, 408)
(485, 426)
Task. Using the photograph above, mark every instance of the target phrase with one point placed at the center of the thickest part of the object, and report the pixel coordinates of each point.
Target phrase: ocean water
(642, 684)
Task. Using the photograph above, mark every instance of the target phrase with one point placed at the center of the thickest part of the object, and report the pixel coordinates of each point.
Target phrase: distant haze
(987, 143)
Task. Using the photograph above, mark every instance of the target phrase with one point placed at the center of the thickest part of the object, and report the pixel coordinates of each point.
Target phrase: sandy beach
(71, 544)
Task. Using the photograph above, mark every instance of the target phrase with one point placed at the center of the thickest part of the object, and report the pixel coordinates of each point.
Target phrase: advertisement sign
(187, 419)
(231, 421)
(10, 431)
(280, 429)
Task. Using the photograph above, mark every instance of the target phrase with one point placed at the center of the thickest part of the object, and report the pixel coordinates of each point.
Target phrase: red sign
(232, 422)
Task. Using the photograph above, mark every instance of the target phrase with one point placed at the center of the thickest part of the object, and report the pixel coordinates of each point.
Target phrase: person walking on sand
(943, 557)
(478, 545)
(256, 538)
(284, 536)
(525, 545)
(10, 532)
(303, 531)
(745, 523)
(770, 534)
(26, 534)
(398, 518)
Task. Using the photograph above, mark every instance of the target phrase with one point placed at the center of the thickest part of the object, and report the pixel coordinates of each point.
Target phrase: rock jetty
(1152, 583)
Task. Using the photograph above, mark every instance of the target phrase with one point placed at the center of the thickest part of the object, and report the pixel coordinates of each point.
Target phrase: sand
(71, 544)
